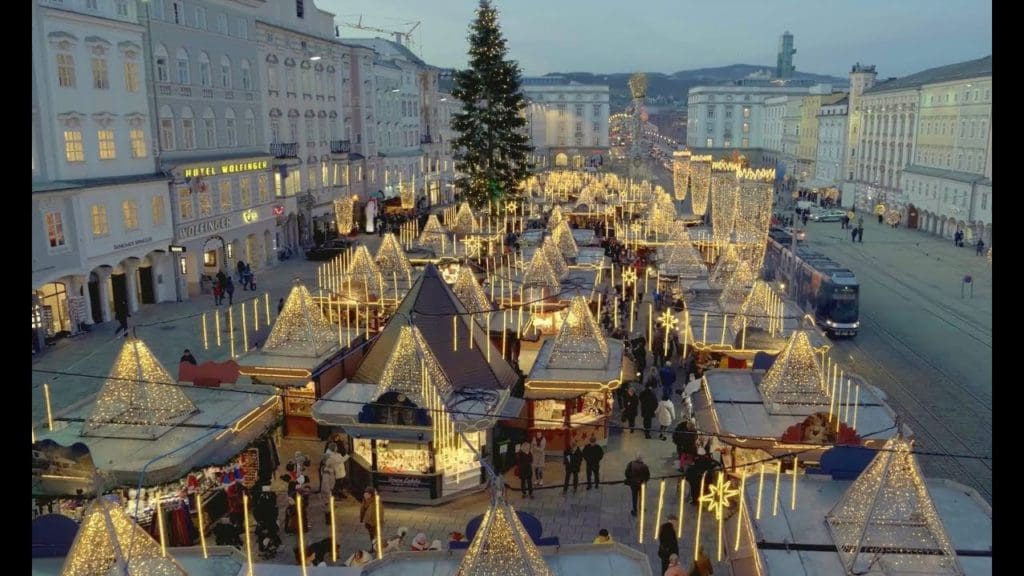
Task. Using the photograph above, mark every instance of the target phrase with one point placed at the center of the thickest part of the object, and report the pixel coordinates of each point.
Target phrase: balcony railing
(284, 149)
(341, 146)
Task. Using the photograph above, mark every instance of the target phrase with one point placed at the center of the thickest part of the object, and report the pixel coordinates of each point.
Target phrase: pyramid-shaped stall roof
(887, 522)
(413, 370)
(363, 274)
(502, 547)
(430, 305)
(579, 341)
(555, 217)
(554, 255)
(755, 308)
(139, 398)
(737, 287)
(301, 329)
(680, 257)
(795, 377)
(470, 294)
(562, 235)
(539, 273)
(433, 234)
(465, 221)
(391, 259)
(108, 541)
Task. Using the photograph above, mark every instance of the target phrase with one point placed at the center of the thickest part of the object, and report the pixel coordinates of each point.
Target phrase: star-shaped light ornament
(668, 320)
(718, 496)
(629, 276)
(510, 207)
(473, 246)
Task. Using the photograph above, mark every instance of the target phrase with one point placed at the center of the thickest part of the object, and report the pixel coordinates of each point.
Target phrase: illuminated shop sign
(250, 216)
(229, 168)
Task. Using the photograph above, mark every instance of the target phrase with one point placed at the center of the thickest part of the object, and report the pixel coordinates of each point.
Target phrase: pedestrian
(685, 439)
(230, 289)
(666, 413)
(668, 542)
(218, 293)
(956, 238)
(572, 458)
(648, 404)
(844, 221)
(420, 543)
(637, 474)
(603, 537)
(853, 235)
(860, 221)
(860, 234)
(979, 248)
(668, 378)
(188, 357)
(702, 565)
(674, 568)
(280, 306)
(629, 408)
(524, 461)
(702, 466)
(368, 513)
(240, 269)
(122, 320)
(539, 447)
(592, 455)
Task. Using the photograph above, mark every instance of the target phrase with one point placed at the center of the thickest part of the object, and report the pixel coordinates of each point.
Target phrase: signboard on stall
(250, 462)
(407, 485)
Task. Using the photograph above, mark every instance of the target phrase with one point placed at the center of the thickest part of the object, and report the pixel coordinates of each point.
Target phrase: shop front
(223, 214)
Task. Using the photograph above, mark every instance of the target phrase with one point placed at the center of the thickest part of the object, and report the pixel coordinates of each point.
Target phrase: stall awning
(512, 409)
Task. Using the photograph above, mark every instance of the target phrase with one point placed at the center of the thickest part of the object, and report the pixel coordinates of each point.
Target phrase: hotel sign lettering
(205, 227)
(229, 168)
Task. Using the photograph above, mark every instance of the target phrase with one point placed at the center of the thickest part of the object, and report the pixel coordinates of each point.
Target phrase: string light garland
(539, 273)
(738, 286)
(564, 240)
(579, 341)
(130, 404)
(502, 547)
(554, 256)
(756, 309)
(795, 377)
(469, 292)
(754, 213)
(391, 258)
(301, 329)
(109, 541)
(344, 209)
(700, 183)
(411, 367)
(363, 275)
(680, 173)
(465, 222)
(886, 518)
(724, 200)
(407, 192)
(433, 235)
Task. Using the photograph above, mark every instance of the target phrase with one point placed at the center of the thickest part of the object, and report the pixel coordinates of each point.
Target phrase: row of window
(940, 157)
(175, 135)
(710, 143)
(313, 81)
(100, 223)
(67, 76)
(968, 128)
(187, 200)
(183, 69)
(728, 112)
(197, 18)
(963, 96)
(106, 143)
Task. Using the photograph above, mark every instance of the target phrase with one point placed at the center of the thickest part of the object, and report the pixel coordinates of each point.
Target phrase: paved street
(926, 347)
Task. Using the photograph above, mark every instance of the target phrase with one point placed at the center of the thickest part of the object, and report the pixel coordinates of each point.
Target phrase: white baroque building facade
(101, 223)
(831, 151)
(207, 93)
(567, 121)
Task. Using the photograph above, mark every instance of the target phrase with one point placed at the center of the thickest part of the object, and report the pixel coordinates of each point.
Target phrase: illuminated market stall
(431, 382)
(303, 356)
(860, 516)
(796, 404)
(568, 387)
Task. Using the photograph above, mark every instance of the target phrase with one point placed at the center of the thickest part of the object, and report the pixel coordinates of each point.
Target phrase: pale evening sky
(899, 36)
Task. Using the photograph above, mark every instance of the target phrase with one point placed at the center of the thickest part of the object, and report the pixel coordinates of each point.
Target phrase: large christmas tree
(492, 141)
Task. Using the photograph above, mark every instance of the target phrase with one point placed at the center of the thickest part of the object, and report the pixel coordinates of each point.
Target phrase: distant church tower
(784, 64)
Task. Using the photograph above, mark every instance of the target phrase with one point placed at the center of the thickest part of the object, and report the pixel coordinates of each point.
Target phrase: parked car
(831, 215)
(800, 234)
(329, 249)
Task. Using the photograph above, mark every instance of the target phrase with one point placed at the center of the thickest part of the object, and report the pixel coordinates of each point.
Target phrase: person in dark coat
(280, 306)
(629, 407)
(637, 474)
(592, 455)
(648, 404)
(524, 460)
(229, 287)
(668, 377)
(668, 541)
(685, 439)
(188, 357)
(572, 459)
(860, 234)
(701, 467)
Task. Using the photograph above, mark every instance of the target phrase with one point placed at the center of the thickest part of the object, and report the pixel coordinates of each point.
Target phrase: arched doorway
(214, 258)
(251, 250)
(577, 161)
(146, 278)
(912, 216)
(561, 159)
(53, 300)
(268, 253)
